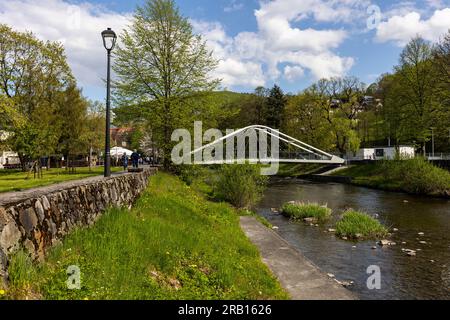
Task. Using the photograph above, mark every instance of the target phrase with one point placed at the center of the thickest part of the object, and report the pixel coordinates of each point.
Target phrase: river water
(425, 276)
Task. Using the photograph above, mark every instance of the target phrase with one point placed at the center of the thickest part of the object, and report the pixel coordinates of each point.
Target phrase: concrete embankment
(300, 277)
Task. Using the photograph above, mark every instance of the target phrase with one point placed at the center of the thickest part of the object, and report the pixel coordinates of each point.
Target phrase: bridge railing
(438, 156)
(302, 155)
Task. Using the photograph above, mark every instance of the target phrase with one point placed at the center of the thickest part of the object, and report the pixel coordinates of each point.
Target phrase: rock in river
(409, 252)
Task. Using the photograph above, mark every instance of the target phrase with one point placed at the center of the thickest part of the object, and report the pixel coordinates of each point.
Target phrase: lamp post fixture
(432, 139)
(109, 41)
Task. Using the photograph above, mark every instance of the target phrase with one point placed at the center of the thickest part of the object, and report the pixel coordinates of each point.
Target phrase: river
(425, 276)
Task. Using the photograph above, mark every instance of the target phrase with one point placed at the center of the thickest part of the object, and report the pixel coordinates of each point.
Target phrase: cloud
(247, 59)
(334, 11)
(292, 73)
(78, 27)
(233, 6)
(401, 28)
(238, 73)
(280, 40)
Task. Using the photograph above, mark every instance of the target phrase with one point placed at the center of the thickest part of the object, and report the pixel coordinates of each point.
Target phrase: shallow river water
(425, 276)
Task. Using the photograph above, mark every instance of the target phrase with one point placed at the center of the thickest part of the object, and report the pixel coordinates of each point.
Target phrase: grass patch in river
(300, 211)
(356, 224)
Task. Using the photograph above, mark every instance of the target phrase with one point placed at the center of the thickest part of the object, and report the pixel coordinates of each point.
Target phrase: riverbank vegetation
(297, 170)
(174, 244)
(416, 176)
(357, 225)
(240, 185)
(301, 211)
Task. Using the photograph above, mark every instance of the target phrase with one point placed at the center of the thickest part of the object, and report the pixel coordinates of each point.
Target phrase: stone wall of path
(37, 219)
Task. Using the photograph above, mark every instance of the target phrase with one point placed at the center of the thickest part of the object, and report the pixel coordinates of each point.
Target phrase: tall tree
(33, 77)
(94, 135)
(340, 102)
(441, 60)
(417, 81)
(276, 102)
(160, 64)
(73, 138)
(304, 121)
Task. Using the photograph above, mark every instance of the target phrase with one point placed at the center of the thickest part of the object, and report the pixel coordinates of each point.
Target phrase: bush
(188, 173)
(240, 185)
(417, 176)
(355, 224)
(299, 211)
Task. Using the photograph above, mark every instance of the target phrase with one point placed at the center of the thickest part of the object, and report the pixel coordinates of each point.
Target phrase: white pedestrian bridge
(262, 144)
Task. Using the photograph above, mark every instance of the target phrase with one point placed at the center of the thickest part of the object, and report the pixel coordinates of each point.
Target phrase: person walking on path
(135, 159)
(125, 162)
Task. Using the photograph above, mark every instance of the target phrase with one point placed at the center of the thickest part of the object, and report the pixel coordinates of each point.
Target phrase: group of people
(135, 157)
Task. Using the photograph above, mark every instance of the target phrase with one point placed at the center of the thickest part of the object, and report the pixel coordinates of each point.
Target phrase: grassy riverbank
(415, 176)
(299, 169)
(174, 244)
(14, 180)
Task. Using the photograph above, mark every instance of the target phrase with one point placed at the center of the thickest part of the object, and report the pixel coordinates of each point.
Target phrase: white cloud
(319, 10)
(436, 3)
(279, 39)
(234, 6)
(400, 29)
(292, 73)
(238, 73)
(247, 59)
(78, 27)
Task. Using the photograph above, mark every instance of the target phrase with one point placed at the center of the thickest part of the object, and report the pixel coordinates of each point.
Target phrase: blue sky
(258, 42)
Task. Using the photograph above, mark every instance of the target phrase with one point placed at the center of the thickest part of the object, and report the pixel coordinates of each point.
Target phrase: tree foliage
(162, 66)
(42, 110)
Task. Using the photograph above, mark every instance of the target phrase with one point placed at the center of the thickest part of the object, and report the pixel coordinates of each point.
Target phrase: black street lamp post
(109, 41)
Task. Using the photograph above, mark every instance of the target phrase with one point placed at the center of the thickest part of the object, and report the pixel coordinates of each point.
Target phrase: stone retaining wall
(39, 218)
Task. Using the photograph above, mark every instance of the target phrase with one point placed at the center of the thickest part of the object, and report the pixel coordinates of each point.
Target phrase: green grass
(416, 176)
(299, 211)
(295, 170)
(355, 224)
(13, 180)
(174, 244)
(359, 171)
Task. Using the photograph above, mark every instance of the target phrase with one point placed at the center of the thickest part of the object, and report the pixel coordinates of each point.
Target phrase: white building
(382, 153)
(8, 157)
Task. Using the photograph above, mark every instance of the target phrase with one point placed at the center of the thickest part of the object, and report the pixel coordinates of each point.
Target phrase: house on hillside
(121, 137)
